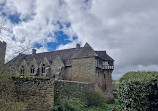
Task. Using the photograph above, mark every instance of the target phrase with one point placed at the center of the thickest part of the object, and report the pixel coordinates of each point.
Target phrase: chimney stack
(33, 51)
(77, 46)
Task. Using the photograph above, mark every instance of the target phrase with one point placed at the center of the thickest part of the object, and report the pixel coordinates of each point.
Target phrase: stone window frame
(32, 69)
(22, 70)
(43, 69)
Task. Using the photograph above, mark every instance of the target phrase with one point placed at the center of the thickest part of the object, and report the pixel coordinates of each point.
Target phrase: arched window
(43, 68)
(32, 69)
(22, 70)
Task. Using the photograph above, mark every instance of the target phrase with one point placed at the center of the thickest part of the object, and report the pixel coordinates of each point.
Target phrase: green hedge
(138, 91)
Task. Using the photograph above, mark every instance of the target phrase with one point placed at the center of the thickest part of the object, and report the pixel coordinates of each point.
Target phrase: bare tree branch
(14, 46)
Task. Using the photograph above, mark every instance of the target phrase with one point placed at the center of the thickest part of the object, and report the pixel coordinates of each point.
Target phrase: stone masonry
(37, 92)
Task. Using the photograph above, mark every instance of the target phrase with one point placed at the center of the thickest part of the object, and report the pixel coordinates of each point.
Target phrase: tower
(2, 52)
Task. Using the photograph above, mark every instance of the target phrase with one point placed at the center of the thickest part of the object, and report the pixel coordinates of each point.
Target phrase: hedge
(138, 91)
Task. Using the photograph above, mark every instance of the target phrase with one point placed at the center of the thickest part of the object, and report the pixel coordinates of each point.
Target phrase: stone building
(82, 64)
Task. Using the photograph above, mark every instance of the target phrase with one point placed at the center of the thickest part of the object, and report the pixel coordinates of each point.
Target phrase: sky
(126, 29)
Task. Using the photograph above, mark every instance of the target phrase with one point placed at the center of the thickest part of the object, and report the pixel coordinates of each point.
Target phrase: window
(105, 86)
(105, 63)
(104, 76)
(32, 69)
(110, 63)
(22, 71)
(43, 68)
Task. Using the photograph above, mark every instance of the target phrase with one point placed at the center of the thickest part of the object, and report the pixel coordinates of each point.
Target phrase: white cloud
(24, 7)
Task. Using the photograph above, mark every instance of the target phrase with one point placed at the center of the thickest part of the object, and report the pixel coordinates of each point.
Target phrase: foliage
(139, 76)
(94, 98)
(63, 106)
(8, 101)
(115, 88)
(106, 107)
(115, 93)
(85, 97)
(69, 104)
(138, 91)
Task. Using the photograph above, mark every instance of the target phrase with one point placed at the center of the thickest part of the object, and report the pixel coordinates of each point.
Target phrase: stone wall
(108, 82)
(2, 52)
(70, 88)
(101, 79)
(37, 92)
(84, 70)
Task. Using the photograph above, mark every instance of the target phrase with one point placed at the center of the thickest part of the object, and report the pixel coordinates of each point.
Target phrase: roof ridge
(54, 51)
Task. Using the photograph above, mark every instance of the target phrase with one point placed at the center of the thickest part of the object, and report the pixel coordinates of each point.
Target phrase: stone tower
(2, 52)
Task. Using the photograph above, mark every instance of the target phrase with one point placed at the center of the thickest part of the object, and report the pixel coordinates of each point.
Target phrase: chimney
(33, 51)
(77, 46)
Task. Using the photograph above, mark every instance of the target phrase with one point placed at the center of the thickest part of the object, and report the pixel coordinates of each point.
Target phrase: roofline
(54, 51)
(105, 59)
(84, 57)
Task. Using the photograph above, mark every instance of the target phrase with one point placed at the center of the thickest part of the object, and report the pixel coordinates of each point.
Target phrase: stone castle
(81, 64)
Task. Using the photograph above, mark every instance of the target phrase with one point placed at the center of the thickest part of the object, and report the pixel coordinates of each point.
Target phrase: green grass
(105, 107)
(116, 82)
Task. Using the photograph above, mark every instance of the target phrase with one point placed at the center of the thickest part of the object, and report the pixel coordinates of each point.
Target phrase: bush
(69, 104)
(79, 100)
(138, 91)
(8, 101)
(87, 95)
(106, 107)
(69, 98)
(94, 98)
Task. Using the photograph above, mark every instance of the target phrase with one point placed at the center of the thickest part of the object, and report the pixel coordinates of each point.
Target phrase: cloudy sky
(126, 29)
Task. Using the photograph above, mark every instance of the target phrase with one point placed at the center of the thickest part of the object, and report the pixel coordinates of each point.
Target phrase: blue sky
(127, 30)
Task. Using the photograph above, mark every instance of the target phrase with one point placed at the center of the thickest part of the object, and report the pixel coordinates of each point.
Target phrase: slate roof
(65, 55)
(16, 60)
(86, 51)
(103, 55)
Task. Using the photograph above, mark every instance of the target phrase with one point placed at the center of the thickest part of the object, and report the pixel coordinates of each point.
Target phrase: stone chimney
(77, 46)
(33, 51)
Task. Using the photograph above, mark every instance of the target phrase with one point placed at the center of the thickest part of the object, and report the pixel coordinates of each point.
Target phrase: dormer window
(32, 69)
(43, 68)
(22, 70)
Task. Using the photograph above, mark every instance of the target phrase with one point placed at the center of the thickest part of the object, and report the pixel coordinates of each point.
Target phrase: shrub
(69, 104)
(138, 91)
(94, 98)
(85, 94)
(8, 101)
